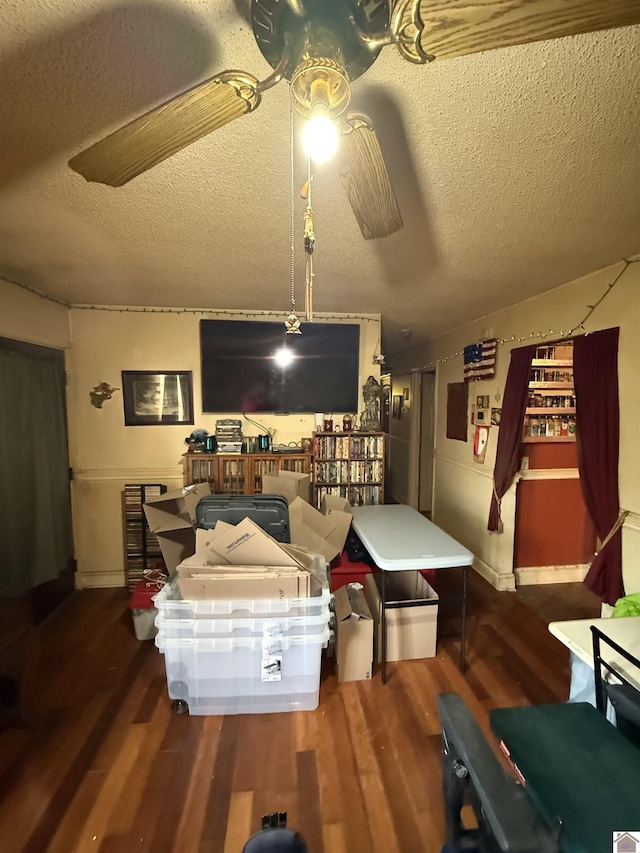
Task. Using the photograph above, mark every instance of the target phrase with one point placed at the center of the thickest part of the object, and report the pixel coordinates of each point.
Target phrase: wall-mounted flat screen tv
(252, 366)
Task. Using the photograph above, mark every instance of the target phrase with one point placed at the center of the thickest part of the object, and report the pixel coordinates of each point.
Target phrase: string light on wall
(540, 335)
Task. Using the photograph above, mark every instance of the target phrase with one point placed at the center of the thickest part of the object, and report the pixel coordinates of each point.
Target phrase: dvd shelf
(350, 466)
(142, 550)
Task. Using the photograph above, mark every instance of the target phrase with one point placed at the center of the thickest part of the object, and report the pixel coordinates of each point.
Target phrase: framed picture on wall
(153, 397)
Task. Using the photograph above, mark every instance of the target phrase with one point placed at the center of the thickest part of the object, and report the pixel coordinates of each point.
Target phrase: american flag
(480, 360)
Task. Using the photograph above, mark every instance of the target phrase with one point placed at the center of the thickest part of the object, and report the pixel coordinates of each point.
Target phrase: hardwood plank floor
(108, 767)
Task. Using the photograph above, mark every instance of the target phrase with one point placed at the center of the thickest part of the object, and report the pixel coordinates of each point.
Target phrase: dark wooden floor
(108, 767)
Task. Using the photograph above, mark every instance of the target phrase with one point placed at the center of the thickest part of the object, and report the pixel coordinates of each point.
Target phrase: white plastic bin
(171, 605)
(251, 627)
(244, 675)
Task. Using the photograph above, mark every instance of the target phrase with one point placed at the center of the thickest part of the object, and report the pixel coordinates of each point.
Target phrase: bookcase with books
(349, 465)
(240, 473)
(142, 549)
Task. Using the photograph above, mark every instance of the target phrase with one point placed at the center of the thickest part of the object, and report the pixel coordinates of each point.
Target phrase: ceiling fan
(320, 47)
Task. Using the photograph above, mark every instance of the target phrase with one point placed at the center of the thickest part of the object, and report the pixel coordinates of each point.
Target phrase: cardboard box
(290, 484)
(330, 502)
(243, 582)
(171, 517)
(411, 615)
(243, 561)
(354, 634)
(318, 532)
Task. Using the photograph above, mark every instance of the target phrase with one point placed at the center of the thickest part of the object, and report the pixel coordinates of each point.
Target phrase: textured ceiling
(516, 170)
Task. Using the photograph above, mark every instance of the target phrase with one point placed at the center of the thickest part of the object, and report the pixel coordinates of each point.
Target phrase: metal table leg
(383, 627)
(464, 619)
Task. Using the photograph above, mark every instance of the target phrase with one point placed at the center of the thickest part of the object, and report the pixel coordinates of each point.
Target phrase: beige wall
(105, 454)
(463, 487)
(24, 316)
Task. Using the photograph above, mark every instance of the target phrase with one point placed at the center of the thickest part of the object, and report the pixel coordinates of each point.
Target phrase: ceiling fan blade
(438, 29)
(163, 131)
(365, 179)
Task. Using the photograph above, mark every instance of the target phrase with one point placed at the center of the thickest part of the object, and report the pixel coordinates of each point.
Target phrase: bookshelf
(142, 550)
(240, 473)
(348, 465)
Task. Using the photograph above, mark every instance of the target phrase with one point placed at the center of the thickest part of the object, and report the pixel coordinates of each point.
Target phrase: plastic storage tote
(251, 627)
(244, 675)
(171, 605)
(270, 512)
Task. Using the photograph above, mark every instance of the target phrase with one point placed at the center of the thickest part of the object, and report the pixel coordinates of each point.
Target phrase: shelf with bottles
(557, 427)
(550, 402)
(550, 414)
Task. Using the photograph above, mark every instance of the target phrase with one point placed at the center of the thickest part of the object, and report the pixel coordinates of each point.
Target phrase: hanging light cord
(309, 245)
(293, 223)
(292, 323)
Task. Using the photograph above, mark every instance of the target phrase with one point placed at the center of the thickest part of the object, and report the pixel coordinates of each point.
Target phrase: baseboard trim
(530, 575)
(503, 583)
(99, 580)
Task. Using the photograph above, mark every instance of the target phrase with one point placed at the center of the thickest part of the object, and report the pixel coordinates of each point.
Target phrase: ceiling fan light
(320, 137)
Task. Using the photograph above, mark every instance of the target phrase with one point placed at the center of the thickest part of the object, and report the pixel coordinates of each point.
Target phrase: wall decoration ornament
(371, 420)
(396, 410)
(156, 397)
(480, 360)
(100, 393)
(480, 441)
(457, 403)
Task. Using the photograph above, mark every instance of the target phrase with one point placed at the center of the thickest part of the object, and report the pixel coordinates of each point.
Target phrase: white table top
(399, 538)
(576, 636)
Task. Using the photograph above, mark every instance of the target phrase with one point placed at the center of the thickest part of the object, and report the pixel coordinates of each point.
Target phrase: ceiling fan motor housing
(330, 42)
(320, 79)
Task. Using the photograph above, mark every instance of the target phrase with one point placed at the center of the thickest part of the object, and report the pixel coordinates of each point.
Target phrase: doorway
(35, 500)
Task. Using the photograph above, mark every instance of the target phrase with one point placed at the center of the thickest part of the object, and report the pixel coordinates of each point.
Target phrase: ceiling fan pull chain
(292, 323)
(309, 246)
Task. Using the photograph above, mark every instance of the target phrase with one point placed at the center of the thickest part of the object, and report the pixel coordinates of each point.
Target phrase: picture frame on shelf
(157, 397)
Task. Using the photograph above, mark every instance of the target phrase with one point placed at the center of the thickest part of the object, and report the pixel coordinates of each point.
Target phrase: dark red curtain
(510, 434)
(595, 373)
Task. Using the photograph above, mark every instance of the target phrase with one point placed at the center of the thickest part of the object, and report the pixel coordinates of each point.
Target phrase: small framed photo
(153, 397)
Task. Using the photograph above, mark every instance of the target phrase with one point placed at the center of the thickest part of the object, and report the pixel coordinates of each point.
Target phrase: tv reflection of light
(284, 357)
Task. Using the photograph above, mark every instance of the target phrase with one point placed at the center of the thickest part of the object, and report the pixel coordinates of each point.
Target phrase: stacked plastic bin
(242, 656)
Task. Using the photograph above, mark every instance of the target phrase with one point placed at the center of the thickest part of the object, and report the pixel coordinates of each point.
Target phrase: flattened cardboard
(248, 544)
(171, 517)
(411, 630)
(319, 533)
(290, 484)
(354, 647)
(243, 561)
(252, 582)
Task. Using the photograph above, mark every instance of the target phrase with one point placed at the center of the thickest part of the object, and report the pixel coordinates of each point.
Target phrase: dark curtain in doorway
(509, 447)
(35, 515)
(595, 373)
